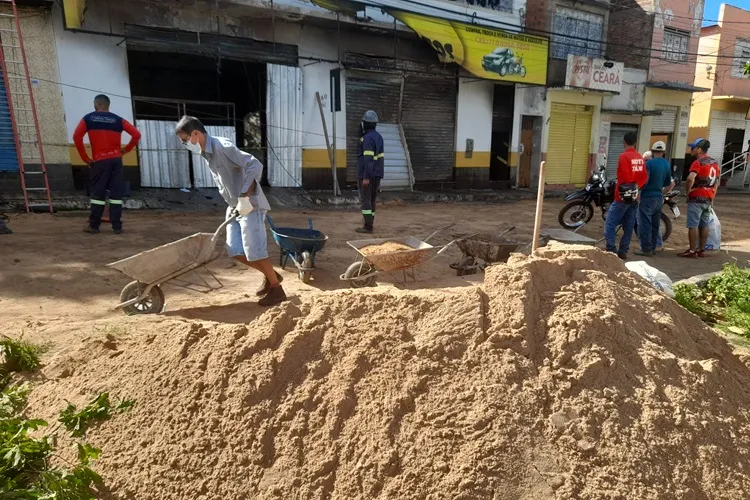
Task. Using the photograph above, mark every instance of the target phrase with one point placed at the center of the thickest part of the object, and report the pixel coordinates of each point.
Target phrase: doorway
(529, 153)
(502, 130)
(733, 144)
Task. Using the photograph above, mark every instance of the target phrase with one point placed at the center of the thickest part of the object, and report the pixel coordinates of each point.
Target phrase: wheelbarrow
(487, 247)
(299, 244)
(364, 271)
(153, 268)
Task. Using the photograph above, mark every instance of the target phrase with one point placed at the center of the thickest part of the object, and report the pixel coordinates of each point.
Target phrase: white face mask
(193, 147)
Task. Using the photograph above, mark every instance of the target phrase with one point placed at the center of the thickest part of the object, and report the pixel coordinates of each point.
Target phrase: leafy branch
(26, 454)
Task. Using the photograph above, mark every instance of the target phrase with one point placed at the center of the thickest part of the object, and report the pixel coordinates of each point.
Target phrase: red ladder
(18, 88)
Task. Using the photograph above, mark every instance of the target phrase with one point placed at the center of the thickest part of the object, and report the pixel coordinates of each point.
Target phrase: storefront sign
(486, 53)
(683, 123)
(594, 74)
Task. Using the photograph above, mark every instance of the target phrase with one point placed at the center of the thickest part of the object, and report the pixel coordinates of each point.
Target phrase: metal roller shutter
(8, 153)
(568, 144)
(666, 123)
(429, 121)
(377, 91)
(581, 147)
(209, 44)
(717, 132)
(617, 146)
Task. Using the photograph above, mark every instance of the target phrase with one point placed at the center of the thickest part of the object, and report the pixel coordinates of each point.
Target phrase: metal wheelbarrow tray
(299, 244)
(365, 269)
(490, 248)
(152, 268)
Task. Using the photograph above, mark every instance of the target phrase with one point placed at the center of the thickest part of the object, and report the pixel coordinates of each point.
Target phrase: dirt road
(53, 274)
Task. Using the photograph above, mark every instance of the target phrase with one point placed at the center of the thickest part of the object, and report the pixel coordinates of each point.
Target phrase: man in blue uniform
(370, 169)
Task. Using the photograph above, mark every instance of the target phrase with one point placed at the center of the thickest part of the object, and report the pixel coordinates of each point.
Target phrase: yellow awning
(73, 10)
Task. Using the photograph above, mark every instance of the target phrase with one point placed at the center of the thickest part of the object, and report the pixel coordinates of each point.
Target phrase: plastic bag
(658, 279)
(714, 233)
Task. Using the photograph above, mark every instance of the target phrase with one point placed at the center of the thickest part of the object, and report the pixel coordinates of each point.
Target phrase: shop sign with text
(594, 74)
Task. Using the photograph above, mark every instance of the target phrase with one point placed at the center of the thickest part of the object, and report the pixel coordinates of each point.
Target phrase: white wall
(97, 65)
(633, 93)
(474, 114)
(316, 43)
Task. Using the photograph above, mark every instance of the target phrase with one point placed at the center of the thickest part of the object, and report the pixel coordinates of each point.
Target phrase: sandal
(689, 254)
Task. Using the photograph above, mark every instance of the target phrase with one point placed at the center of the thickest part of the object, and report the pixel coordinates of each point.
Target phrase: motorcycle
(600, 192)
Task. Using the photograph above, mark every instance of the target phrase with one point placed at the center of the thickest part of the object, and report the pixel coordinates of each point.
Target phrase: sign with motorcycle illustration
(484, 52)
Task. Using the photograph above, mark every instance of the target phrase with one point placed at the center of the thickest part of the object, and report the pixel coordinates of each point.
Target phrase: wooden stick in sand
(539, 203)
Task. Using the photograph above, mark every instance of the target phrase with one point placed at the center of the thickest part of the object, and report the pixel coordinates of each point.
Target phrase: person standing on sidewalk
(701, 185)
(652, 199)
(370, 169)
(105, 170)
(237, 175)
(631, 177)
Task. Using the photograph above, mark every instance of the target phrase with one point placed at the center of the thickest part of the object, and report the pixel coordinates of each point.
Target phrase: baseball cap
(703, 143)
(659, 146)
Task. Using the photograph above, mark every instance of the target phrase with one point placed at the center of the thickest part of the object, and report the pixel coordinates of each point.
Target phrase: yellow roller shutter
(568, 144)
(581, 147)
(560, 145)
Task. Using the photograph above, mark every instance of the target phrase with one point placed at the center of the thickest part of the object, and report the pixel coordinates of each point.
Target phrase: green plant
(691, 298)
(18, 355)
(730, 287)
(77, 421)
(26, 454)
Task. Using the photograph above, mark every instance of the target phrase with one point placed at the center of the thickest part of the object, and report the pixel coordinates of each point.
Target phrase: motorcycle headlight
(588, 187)
(595, 177)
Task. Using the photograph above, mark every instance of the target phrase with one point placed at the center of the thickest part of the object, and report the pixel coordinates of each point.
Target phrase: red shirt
(707, 173)
(630, 169)
(105, 135)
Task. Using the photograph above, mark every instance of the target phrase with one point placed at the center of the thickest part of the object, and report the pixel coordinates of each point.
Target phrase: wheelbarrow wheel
(151, 304)
(356, 270)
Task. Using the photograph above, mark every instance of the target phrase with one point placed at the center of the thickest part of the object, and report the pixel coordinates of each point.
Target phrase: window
(675, 45)
(503, 5)
(587, 29)
(741, 57)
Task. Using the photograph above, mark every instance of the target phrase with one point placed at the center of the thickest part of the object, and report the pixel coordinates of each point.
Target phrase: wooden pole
(539, 203)
(331, 154)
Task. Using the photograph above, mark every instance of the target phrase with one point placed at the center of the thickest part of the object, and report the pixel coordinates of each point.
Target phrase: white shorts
(247, 236)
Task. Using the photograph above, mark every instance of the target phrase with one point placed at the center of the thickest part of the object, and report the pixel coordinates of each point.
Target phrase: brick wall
(630, 26)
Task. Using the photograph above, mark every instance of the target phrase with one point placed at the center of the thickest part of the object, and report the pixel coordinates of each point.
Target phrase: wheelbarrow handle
(453, 242)
(309, 223)
(270, 222)
(439, 230)
(232, 217)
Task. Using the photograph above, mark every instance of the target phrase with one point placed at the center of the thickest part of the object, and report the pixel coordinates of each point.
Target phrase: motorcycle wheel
(522, 72)
(503, 70)
(575, 214)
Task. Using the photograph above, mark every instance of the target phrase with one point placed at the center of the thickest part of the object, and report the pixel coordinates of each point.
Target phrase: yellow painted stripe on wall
(513, 159)
(129, 160)
(479, 159)
(318, 158)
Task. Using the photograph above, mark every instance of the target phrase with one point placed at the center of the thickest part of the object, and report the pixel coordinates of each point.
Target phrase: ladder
(25, 124)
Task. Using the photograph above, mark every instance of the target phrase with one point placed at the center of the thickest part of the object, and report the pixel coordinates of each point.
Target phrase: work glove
(244, 207)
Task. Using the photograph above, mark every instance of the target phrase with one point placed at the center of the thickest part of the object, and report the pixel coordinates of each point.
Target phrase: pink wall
(726, 84)
(684, 15)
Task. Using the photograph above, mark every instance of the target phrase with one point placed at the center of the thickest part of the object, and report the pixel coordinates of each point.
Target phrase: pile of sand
(562, 377)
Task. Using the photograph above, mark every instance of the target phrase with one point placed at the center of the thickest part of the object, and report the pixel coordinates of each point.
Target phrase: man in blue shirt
(652, 199)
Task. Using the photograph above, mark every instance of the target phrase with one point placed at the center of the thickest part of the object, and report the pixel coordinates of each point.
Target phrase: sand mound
(563, 377)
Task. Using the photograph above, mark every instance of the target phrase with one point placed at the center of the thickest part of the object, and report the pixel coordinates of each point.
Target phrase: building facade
(722, 114)
(615, 67)
(469, 96)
